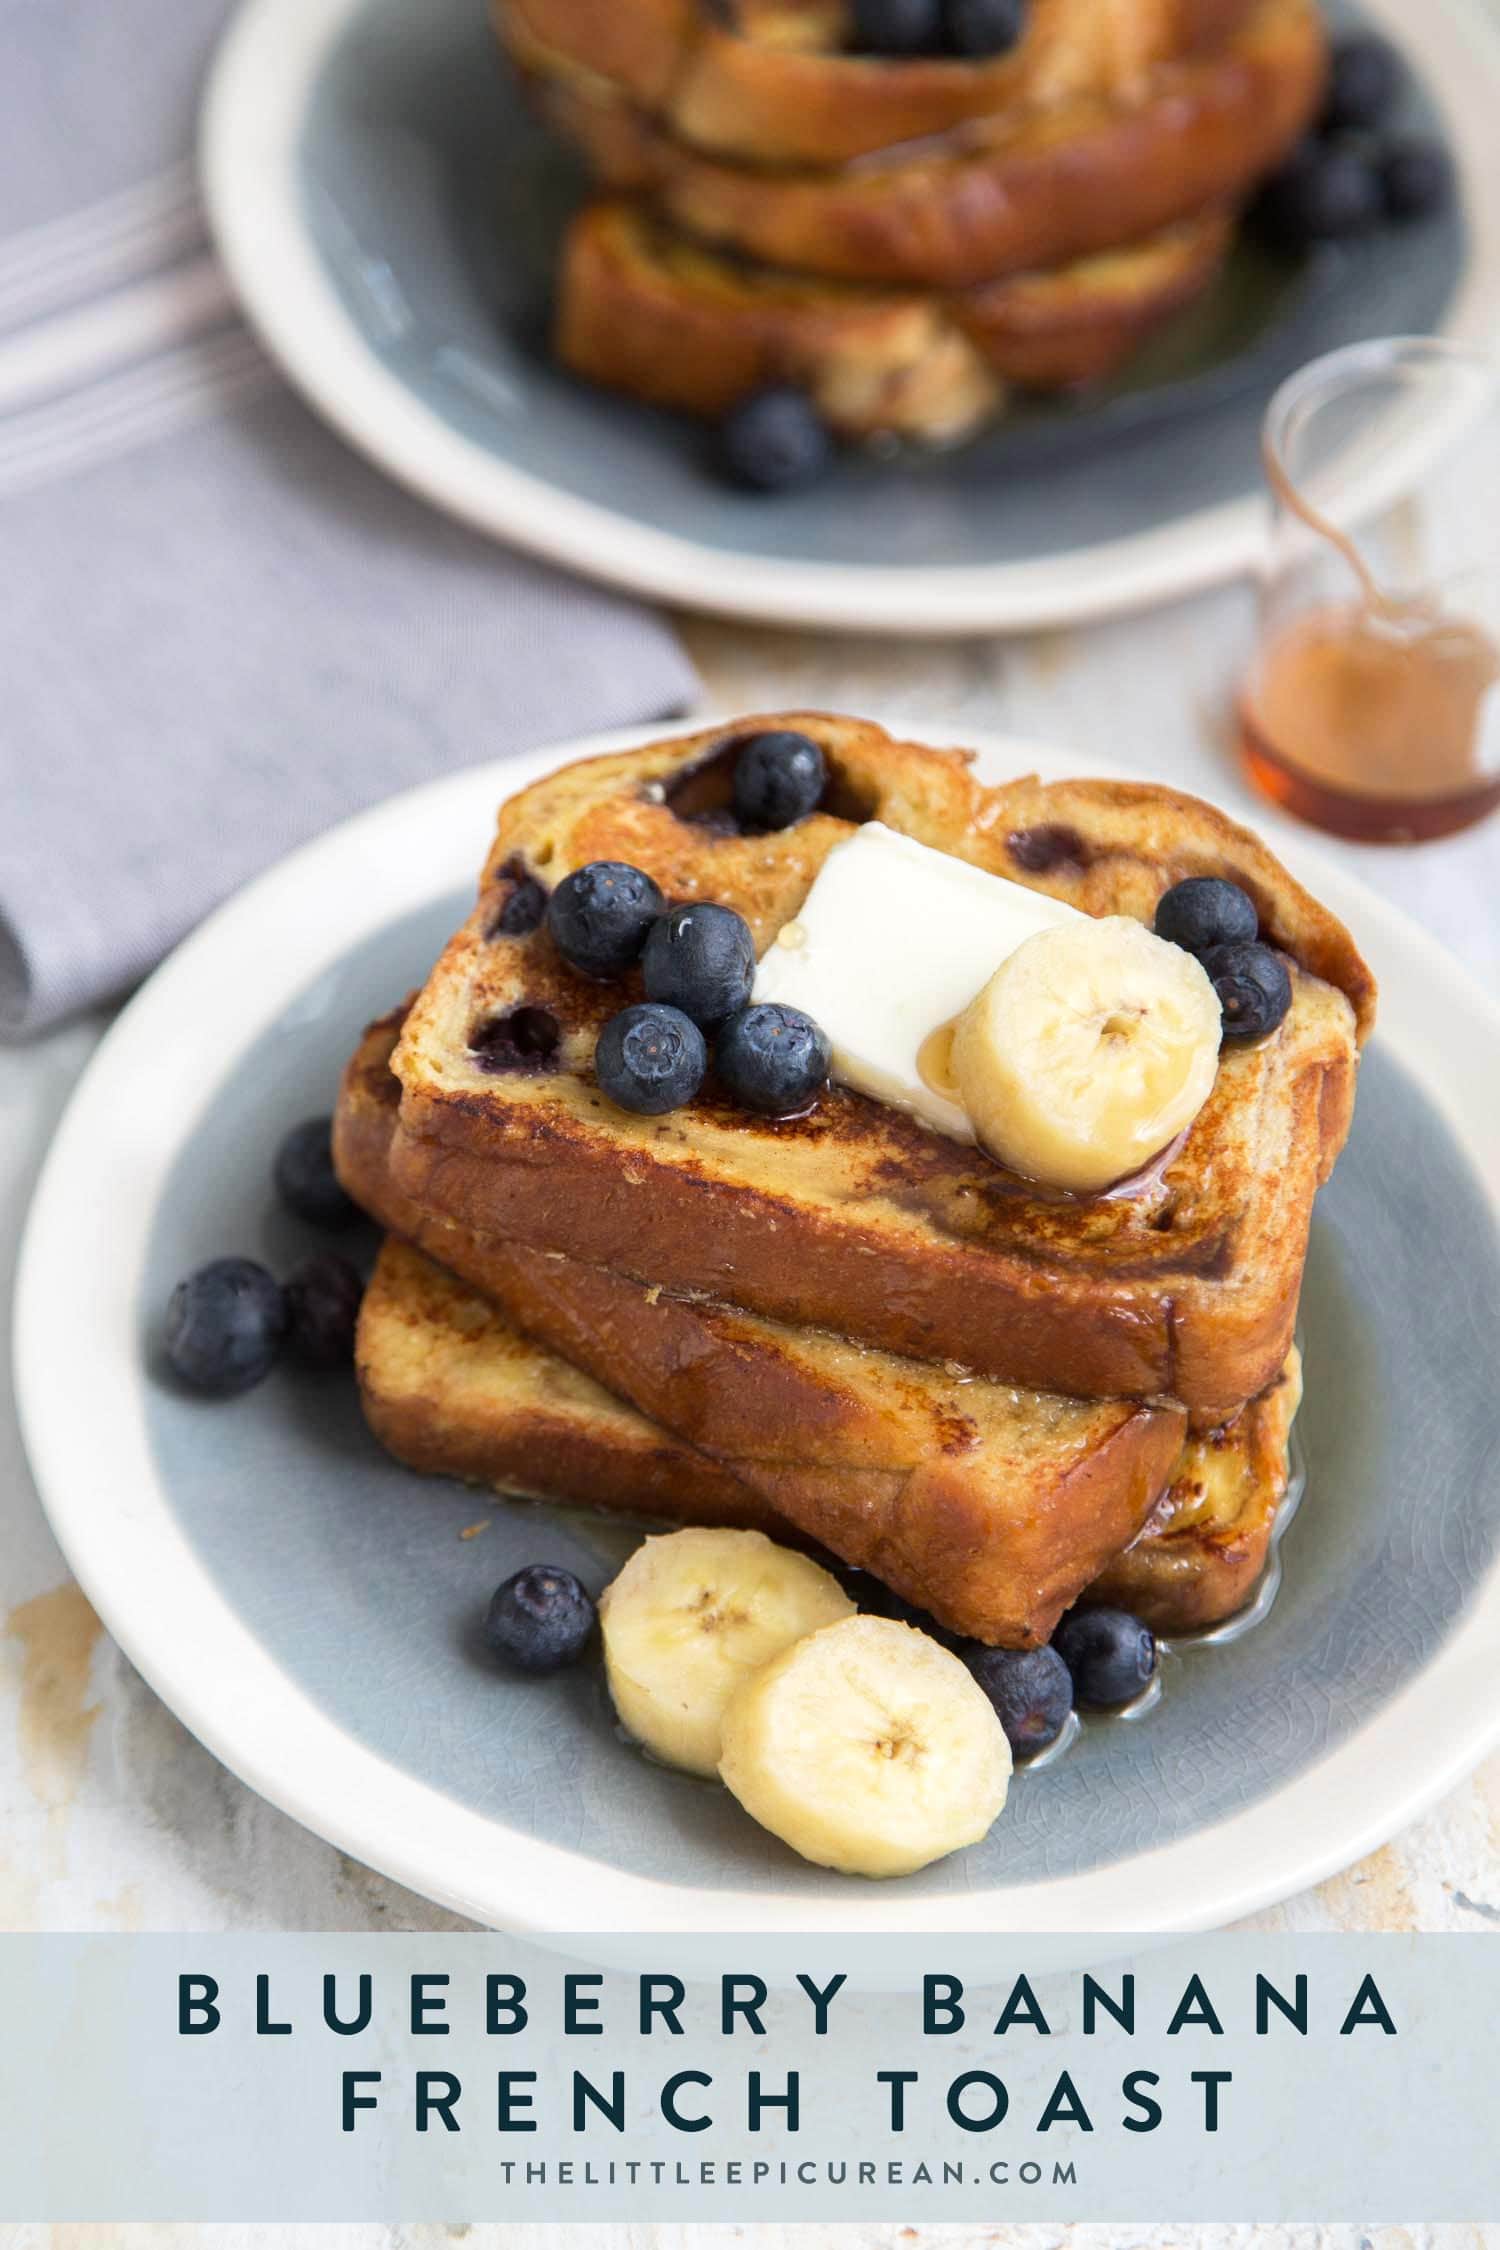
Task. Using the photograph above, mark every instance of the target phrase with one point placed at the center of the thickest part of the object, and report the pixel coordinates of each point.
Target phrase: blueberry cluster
(1218, 923)
(1353, 174)
(229, 1322)
(697, 964)
(966, 29)
(1098, 1659)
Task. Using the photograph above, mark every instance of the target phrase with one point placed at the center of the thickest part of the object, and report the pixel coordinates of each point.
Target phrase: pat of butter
(894, 940)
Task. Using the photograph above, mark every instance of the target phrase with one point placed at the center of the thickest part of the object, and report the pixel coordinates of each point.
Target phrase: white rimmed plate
(389, 214)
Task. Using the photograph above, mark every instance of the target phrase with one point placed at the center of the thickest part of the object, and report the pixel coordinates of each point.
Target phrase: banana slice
(1090, 1049)
(690, 1617)
(867, 1748)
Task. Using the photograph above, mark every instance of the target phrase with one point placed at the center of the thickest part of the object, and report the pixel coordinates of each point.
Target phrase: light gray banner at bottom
(283, 2078)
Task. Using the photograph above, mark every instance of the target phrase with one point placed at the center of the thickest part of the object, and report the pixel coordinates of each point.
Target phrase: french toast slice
(645, 310)
(856, 1218)
(1004, 193)
(1079, 323)
(449, 1385)
(989, 1506)
(1201, 1552)
(452, 1388)
(773, 82)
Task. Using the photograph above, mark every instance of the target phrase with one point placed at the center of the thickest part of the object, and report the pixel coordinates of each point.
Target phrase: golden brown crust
(453, 1388)
(643, 310)
(635, 45)
(776, 84)
(1118, 844)
(990, 1508)
(1080, 323)
(856, 1219)
(1001, 194)
(1204, 1545)
(450, 1388)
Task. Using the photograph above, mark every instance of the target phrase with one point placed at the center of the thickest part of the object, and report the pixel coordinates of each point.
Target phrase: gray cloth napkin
(220, 629)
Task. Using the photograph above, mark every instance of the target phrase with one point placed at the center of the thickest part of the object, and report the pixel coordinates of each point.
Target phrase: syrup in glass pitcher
(1372, 708)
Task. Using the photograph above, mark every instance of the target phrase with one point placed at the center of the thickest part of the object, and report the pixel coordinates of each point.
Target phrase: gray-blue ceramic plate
(309, 1608)
(390, 212)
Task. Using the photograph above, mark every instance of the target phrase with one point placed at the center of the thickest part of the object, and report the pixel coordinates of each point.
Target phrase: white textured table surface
(116, 1819)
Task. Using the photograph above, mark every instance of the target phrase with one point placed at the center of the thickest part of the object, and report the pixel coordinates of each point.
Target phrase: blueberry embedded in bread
(779, 778)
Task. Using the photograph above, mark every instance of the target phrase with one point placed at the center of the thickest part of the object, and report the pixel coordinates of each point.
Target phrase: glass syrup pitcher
(1372, 708)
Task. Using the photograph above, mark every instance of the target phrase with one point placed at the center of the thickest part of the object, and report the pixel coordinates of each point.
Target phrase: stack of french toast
(905, 238)
(1003, 1330)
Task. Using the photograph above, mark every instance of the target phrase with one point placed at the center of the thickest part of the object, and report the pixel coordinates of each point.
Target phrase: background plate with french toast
(310, 1605)
(391, 210)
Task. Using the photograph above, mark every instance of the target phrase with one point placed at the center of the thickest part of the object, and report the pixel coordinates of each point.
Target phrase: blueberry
(650, 1058)
(600, 915)
(322, 1307)
(1050, 845)
(775, 441)
(983, 27)
(524, 904)
(1321, 195)
(1110, 1654)
(1254, 988)
(539, 1620)
(1364, 80)
(773, 1059)
(700, 959)
(1204, 912)
(779, 778)
(1031, 1689)
(305, 1178)
(1416, 179)
(896, 27)
(526, 1039)
(225, 1326)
